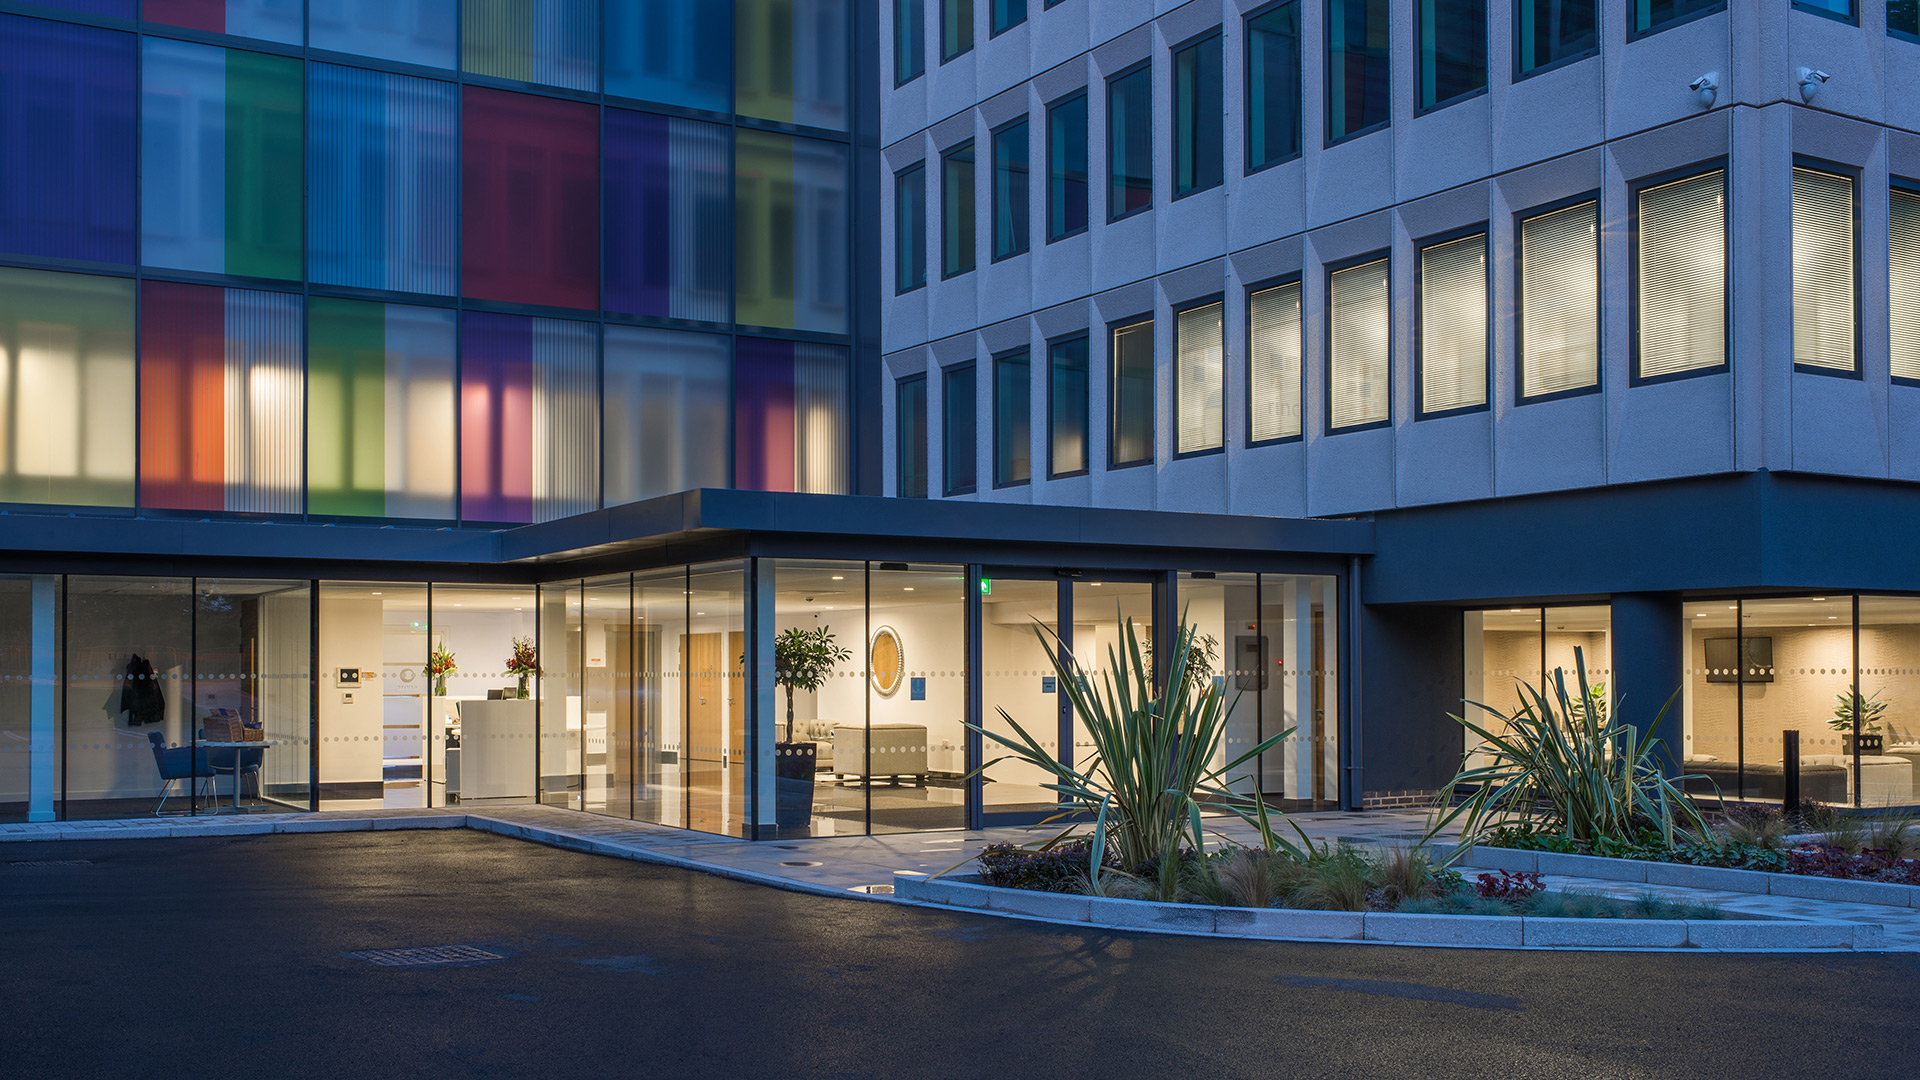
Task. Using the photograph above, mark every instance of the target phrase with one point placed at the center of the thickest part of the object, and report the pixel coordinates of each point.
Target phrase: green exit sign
(986, 586)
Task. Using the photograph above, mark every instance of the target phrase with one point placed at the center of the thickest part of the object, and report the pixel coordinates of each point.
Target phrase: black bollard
(1790, 765)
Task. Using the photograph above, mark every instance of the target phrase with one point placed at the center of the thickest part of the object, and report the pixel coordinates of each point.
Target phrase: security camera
(1811, 80)
(1706, 85)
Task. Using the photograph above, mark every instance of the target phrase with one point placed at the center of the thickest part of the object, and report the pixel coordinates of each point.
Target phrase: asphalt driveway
(234, 957)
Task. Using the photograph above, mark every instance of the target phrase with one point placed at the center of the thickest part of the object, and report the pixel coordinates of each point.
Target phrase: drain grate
(435, 954)
(873, 890)
(43, 864)
(799, 862)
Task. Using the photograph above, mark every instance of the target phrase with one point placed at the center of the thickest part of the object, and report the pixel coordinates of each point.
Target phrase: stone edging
(1488, 931)
(1760, 882)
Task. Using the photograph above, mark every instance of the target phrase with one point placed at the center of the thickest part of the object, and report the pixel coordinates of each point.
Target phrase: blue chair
(232, 761)
(177, 763)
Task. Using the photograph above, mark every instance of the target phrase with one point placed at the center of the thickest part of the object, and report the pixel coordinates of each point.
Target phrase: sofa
(899, 752)
(820, 734)
(1819, 781)
(1885, 780)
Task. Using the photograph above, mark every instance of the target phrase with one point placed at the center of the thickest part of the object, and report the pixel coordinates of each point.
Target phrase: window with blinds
(1560, 301)
(1681, 266)
(1453, 325)
(1200, 379)
(1823, 271)
(1130, 438)
(1358, 353)
(1903, 283)
(1273, 363)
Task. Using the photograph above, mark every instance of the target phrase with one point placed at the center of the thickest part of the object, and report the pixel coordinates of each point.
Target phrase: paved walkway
(865, 865)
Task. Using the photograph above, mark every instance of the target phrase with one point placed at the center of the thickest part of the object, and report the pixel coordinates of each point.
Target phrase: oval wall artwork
(887, 660)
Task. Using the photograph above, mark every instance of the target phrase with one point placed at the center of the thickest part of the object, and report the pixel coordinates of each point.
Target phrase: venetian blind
(1273, 363)
(1823, 270)
(1683, 275)
(1201, 348)
(1358, 356)
(1560, 301)
(1903, 283)
(1453, 324)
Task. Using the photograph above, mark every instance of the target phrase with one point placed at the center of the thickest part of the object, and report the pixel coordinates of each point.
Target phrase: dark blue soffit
(1733, 532)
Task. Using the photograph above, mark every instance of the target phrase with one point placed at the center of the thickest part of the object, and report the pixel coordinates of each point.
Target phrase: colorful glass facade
(474, 260)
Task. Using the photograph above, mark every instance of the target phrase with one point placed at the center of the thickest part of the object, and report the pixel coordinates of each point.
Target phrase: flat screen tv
(1725, 658)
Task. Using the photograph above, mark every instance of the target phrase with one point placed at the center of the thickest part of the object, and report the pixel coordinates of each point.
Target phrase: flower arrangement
(525, 662)
(440, 665)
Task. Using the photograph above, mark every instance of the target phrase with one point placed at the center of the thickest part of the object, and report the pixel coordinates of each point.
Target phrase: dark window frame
(1419, 73)
(1173, 392)
(1295, 277)
(945, 56)
(1129, 71)
(1909, 186)
(1722, 164)
(900, 438)
(1520, 217)
(948, 373)
(1246, 88)
(1327, 271)
(1634, 33)
(1087, 145)
(1145, 318)
(1903, 35)
(920, 68)
(996, 358)
(1326, 80)
(1216, 34)
(1856, 177)
(1483, 229)
(1085, 336)
(920, 246)
(993, 203)
(964, 146)
(1568, 60)
(994, 31)
(1852, 18)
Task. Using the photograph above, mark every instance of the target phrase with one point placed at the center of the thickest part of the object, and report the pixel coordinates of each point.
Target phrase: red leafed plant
(1508, 885)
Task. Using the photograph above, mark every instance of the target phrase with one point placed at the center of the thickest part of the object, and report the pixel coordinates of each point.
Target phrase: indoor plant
(439, 666)
(1868, 731)
(802, 660)
(525, 662)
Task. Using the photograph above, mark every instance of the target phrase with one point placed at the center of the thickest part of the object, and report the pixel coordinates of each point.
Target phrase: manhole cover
(42, 864)
(799, 862)
(436, 954)
(873, 890)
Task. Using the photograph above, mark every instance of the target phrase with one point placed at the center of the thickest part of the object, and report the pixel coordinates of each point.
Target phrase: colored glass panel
(67, 136)
(790, 61)
(673, 51)
(119, 9)
(667, 249)
(268, 20)
(665, 412)
(790, 229)
(791, 416)
(66, 388)
(222, 140)
(221, 392)
(529, 418)
(382, 182)
(530, 202)
(421, 32)
(552, 42)
(380, 409)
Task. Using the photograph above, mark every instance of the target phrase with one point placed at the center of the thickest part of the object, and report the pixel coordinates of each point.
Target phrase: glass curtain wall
(916, 691)
(31, 662)
(608, 677)
(1234, 652)
(1759, 669)
(374, 696)
(659, 630)
(712, 664)
(483, 727)
(1016, 676)
(253, 669)
(1505, 648)
(561, 676)
(820, 631)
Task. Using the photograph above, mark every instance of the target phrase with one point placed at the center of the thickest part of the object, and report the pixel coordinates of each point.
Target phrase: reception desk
(496, 750)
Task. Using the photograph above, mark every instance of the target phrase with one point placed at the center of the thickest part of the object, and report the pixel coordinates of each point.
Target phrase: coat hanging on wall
(139, 695)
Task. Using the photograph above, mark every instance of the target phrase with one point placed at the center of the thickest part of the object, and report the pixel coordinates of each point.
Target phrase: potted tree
(1867, 734)
(802, 660)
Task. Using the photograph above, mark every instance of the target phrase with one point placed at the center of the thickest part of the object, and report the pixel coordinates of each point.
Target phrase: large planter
(1871, 744)
(793, 765)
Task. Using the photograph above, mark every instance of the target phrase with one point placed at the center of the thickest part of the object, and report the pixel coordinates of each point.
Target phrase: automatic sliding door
(1016, 677)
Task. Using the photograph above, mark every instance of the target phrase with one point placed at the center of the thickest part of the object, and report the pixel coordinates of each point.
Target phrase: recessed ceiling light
(376, 594)
(909, 588)
(839, 577)
(1730, 607)
(1819, 598)
(699, 613)
(829, 607)
(1833, 616)
(459, 605)
(1517, 611)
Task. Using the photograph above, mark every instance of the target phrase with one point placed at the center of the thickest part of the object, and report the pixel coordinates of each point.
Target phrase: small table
(236, 747)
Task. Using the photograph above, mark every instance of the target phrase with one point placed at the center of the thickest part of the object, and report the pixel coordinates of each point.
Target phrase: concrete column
(1649, 657)
(43, 708)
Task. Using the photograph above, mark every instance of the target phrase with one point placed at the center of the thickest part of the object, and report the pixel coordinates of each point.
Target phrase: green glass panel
(346, 407)
(66, 388)
(265, 140)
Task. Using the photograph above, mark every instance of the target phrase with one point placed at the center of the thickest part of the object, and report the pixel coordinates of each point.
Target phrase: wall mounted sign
(917, 689)
(887, 660)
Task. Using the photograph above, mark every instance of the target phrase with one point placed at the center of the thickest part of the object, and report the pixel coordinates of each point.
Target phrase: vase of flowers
(525, 662)
(439, 666)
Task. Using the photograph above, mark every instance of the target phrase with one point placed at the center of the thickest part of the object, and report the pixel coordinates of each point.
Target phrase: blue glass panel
(673, 51)
(422, 32)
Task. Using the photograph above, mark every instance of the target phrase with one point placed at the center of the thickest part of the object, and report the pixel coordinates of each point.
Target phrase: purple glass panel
(639, 206)
(763, 415)
(496, 417)
(67, 137)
